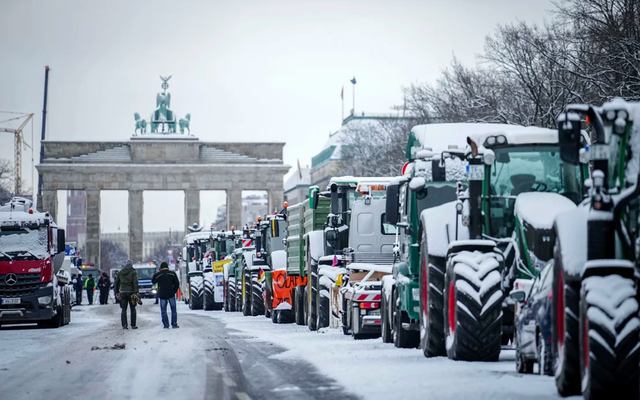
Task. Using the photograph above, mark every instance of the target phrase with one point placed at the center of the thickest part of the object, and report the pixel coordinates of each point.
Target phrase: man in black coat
(168, 285)
(104, 284)
(78, 285)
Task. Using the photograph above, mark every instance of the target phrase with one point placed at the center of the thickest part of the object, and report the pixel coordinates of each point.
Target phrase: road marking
(242, 396)
(228, 381)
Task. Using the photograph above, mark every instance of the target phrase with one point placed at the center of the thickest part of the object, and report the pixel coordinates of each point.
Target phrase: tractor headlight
(501, 139)
(489, 157)
(459, 206)
(44, 300)
(491, 140)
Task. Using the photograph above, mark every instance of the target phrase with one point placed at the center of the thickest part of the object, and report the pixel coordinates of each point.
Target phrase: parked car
(533, 324)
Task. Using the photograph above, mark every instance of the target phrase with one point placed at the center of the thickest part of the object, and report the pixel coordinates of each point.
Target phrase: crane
(18, 141)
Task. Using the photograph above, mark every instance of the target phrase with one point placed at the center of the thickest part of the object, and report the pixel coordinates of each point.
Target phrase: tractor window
(521, 169)
(438, 193)
(387, 229)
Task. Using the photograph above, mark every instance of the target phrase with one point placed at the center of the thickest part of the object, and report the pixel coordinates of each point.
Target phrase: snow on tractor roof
(519, 135)
(540, 209)
(192, 237)
(439, 137)
(353, 180)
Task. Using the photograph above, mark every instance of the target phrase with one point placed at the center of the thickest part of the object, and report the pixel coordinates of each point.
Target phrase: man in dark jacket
(104, 284)
(168, 285)
(90, 285)
(126, 285)
(78, 287)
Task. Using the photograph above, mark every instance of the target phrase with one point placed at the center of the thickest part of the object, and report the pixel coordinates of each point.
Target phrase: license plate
(11, 301)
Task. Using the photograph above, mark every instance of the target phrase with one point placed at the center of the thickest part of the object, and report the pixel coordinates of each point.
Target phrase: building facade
(296, 187)
(77, 218)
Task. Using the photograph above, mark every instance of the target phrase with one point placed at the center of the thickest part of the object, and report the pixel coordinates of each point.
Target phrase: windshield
(533, 168)
(22, 242)
(145, 273)
(438, 193)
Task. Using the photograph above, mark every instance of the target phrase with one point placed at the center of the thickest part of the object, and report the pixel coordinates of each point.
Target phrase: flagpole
(342, 105)
(354, 99)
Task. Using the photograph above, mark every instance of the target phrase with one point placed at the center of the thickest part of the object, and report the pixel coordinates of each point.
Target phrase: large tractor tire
(312, 302)
(286, 317)
(257, 301)
(323, 303)
(473, 307)
(274, 316)
(609, 335)
(387, 335)
(195, 292)
(230, 294)
(565, 312)
(239, 293)
(246, 294)
(299, 305)
(268, 300)
(432, 276)
(402, 338)
(208, 302)
(545, 358)
(68, 305)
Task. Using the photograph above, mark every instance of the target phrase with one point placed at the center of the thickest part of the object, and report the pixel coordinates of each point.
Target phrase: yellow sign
(218, 266)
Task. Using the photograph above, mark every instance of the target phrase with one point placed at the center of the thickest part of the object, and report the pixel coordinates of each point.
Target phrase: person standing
(90, 285)
(79, 287)
(116, 300)
(104, 284)
(126, 285)
(168, 285)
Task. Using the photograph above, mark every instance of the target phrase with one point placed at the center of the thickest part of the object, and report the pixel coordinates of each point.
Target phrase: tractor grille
(26, 285)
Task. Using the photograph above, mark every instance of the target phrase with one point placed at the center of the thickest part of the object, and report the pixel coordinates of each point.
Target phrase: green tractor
(471, 251)
(233, 282)
(595, 321)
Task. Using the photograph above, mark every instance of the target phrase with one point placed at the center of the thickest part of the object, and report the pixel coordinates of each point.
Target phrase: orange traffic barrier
(179, 294)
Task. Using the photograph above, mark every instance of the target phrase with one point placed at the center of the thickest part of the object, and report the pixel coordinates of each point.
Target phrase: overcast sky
(250, 70)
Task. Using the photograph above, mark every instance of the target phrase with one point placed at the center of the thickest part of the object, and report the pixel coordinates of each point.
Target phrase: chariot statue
(162, 120)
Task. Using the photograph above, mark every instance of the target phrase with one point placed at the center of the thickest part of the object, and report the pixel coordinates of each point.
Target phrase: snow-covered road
(201, 360)
(217, 355)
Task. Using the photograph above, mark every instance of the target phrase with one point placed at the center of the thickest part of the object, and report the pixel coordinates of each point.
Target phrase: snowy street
(218, 355)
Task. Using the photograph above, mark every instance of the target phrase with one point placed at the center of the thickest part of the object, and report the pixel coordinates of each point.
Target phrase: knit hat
(129, 263)
(164, 265)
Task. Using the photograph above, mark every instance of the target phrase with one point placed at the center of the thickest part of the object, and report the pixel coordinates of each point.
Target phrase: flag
(335, 261)
(353, 80)
(342, 93)
(299, 169)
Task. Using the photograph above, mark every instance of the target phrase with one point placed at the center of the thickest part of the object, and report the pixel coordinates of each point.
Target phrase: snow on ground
(375, 370)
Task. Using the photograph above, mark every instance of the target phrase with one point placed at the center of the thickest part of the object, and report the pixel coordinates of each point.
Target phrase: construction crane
(18, 141)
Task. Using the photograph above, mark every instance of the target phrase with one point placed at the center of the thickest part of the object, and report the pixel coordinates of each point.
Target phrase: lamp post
(353, 110)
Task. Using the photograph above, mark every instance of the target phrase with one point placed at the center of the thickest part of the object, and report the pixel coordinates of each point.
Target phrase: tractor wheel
(299, 305)
(312, 302)
(231, 294)
(286, 317)
(239, 293)
(402, 338)
(545, 359)
(432, 275)
(323, 304)
(609, 334)
(473, 307)
(257, 302)
(195, 290)
(565, 311)
(246, 294)
(387, 336)
(274, 316)
(208, 302)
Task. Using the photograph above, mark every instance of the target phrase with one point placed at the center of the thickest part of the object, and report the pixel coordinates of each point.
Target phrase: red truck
(33, 289)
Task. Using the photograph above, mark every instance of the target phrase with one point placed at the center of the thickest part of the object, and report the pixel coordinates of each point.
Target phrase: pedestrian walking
(104, 284)
(90, 285)
(126, 286)
(168, 285)
(116, 300)
(79, 287)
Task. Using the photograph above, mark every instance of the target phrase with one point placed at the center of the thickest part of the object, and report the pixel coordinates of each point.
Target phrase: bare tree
(6, 181)
(375, 147)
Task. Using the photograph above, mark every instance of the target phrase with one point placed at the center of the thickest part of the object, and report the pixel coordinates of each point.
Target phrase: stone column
(191, 208)
(276, 200)
(92, 254)
(49, 203)
(234, 209)
(136, 211)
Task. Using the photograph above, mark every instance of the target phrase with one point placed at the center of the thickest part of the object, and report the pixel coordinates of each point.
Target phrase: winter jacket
(90, 284)
(78, 284)
(104, 283)
(168, 283)
(127, 280)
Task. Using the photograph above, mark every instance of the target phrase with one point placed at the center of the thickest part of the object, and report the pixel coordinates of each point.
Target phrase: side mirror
(331, 236)
(438, 171)
(518, 295)
(392, 206)
(406, 226)
(61, 241)
(569, 137)
(315, 197)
